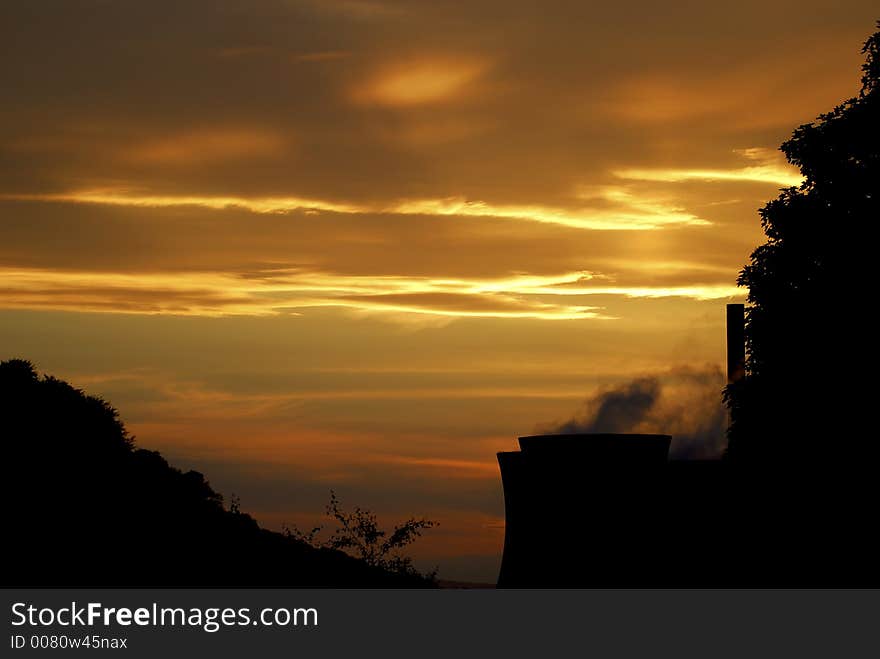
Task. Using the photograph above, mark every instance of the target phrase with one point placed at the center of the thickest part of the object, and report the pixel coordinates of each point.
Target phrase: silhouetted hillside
(89, 508)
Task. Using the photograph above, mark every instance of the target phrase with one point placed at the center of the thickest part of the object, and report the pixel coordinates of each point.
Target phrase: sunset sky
(364, 245)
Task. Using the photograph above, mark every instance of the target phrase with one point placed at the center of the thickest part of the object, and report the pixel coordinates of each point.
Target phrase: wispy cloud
(124, 197)
(770, 168)
(560, 297)
(201, 146)
(627, 212)
(419, 83)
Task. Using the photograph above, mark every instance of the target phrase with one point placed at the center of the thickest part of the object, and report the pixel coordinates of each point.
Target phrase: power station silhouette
(614, 510)
(568, 498)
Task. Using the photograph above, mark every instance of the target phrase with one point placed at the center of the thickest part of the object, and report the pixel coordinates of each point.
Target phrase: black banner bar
(388, 623)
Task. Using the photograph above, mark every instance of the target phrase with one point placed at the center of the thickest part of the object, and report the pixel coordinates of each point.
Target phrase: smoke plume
(684, 402)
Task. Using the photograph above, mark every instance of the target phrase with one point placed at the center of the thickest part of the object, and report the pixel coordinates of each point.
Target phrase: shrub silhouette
(358, 533)
(89, 508)
(808, 329)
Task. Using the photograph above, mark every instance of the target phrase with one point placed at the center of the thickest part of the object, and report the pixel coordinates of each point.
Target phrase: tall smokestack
(736, 342)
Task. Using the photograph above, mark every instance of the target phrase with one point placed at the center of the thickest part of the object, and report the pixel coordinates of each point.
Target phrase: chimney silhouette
(736, 342)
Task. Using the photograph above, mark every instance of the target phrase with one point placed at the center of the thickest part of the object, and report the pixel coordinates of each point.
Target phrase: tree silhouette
(807, 321)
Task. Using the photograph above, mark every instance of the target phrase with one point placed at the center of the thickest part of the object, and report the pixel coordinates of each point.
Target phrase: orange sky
(365, 244)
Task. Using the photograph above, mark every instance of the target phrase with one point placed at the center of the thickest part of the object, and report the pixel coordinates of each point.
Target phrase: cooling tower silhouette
(582, 508)
(613, 510)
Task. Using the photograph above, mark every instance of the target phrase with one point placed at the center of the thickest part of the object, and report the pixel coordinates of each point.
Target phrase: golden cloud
(421, 82)
(770, 168)
(125, 197)
(294, 291)
(629, 213)
(205, 146)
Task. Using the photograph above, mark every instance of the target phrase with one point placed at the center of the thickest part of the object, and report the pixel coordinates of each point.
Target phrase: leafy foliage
(358, 534)
(808, 287)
